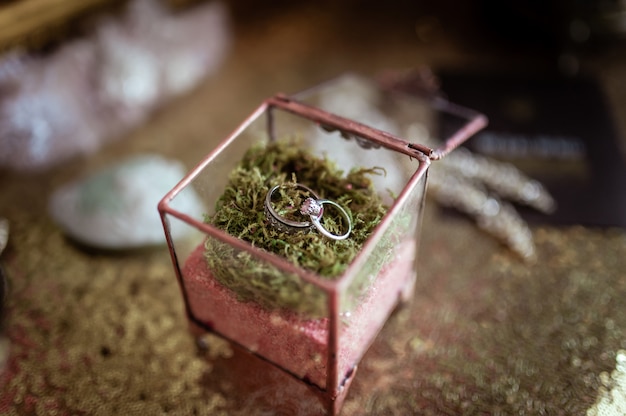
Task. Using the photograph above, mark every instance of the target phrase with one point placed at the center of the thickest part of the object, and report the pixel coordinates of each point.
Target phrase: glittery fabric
(103, 333)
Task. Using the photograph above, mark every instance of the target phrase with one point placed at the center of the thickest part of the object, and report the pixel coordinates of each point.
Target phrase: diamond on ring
(311, 207)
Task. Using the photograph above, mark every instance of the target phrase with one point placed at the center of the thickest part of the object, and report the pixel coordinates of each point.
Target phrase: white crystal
(92, 90)
(116, 208)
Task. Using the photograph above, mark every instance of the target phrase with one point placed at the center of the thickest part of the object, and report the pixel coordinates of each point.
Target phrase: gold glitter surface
(104, 333)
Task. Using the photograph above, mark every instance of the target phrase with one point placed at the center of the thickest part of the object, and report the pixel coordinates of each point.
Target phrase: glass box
(314, 327)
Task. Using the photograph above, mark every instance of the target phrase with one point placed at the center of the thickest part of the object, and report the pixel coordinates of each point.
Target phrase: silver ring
(281, 223)
(315, 209)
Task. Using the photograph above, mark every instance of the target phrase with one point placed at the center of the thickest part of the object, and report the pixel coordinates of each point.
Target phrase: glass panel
(240, 292)
(383, 279)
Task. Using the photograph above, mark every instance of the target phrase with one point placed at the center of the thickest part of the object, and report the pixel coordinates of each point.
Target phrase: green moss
(240, 212)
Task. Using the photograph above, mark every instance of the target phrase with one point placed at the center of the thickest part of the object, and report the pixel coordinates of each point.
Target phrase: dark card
(557, 130)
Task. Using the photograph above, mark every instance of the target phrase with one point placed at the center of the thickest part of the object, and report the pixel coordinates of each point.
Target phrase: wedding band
(278, 221)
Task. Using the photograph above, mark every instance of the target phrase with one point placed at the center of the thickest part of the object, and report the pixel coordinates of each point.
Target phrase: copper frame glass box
(323, 345)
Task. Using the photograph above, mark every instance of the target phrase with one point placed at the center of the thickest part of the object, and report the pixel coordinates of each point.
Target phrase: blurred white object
(115, 208)
(91, 90)
(46, 112)
(152, 56)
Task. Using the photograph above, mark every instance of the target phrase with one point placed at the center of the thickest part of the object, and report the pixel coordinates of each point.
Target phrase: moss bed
(240, 212)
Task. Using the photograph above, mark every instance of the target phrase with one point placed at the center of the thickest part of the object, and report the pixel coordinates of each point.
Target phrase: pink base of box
(298, 345)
